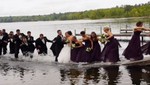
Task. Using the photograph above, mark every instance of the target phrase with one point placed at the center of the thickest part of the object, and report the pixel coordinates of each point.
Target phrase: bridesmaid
(133, 51)
(110, 52)
(75, 48)
(96, 54)
(85, 53)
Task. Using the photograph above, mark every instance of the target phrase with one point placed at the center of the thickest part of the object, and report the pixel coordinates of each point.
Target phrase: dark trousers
(25, 50)
(31, 48)
(16, 51)
(57, 50)
(11, 47)
(4, 48)
(42, 50)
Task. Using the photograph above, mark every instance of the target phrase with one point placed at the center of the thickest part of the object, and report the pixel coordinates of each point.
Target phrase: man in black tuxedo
(11, 42)
(30, 40)
(5, 41)
(40, 44)
(58, 44)
(17, 42)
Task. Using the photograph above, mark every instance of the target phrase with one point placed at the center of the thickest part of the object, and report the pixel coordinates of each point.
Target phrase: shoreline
(130, 19)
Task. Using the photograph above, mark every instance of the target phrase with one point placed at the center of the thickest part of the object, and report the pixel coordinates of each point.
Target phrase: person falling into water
(40, 44)
(30, 40)
(17, 42)
(5, 41)
(133, 51)
(11, 42)
(58, 44)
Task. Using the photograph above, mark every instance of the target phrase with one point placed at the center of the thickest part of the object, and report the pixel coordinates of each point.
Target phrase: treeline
(140, 10)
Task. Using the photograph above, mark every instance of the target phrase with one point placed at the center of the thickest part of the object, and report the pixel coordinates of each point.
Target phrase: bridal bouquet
(103, 39)
(88, 49)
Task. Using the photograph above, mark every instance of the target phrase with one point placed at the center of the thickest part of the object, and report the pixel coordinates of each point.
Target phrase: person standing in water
(5, 41)
(11, 42)
(133, 51)
(17, 42)
(30, 40)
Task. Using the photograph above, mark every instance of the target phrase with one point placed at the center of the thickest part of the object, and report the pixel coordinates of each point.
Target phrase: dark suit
(41, 46)
(17, 43)
(28, 47)
(25, 49)
(11, 45)
(57, 46)
(30, 40)
(53, 47)
(5, 42)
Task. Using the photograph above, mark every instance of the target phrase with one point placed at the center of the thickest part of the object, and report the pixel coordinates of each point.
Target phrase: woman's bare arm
(110, 35)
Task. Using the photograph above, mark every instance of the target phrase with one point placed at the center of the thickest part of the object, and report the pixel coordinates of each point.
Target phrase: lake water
(42, 70)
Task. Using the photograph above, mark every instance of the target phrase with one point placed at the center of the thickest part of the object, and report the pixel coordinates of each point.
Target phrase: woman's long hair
(95, 36)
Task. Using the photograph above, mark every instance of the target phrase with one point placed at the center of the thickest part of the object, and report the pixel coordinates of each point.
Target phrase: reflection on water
(135, 74)
(90, 76)
(6, 70)
(68, 75)
(113, 74)
(139, 74)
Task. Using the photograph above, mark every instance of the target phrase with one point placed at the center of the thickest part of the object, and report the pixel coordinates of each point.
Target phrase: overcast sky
(36, 7)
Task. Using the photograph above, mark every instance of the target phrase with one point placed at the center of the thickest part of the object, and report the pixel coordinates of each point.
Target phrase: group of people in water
(22, 41)
(70, 49)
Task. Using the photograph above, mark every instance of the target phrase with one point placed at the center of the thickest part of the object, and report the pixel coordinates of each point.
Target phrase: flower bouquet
(67, 41)
(73, 46)
(103, 39)
(88, 49)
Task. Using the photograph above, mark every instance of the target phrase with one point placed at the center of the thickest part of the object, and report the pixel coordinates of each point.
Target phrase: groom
(58, 44)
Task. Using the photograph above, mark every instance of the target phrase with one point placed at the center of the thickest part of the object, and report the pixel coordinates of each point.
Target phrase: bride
(64, 56)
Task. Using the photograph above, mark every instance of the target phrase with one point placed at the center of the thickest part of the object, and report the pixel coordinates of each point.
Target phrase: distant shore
(126, 11)
(123, 19)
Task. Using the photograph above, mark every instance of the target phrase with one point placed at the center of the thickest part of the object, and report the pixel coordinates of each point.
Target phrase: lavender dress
(133, 50)
(110, 52)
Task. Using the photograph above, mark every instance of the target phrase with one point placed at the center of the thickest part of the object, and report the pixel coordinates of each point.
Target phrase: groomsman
(41, 44)
(11, 42)
(5, 41)
(58, 44)
(17, 42)
(24, 46)
(30, 40)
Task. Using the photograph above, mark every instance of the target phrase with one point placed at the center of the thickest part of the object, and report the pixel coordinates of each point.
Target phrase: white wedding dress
(64, 56)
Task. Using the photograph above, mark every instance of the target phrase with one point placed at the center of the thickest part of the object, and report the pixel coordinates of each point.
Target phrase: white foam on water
(50, 59)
